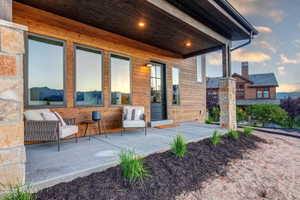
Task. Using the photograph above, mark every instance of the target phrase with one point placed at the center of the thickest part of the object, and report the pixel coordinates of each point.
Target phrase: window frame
(179, 85)
(110, 79)
(26, 70)
(75, 45)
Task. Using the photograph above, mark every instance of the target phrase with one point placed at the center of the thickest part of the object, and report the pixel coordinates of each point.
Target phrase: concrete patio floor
(46, 166)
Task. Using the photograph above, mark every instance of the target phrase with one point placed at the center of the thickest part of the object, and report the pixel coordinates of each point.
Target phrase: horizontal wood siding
(193, 95)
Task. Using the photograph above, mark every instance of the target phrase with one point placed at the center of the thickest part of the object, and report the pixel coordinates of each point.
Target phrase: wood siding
(193, 95)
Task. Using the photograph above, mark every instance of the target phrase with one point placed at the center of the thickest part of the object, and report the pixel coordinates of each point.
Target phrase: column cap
(13, 25)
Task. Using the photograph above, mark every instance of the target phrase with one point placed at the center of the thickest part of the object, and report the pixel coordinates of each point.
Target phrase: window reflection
(120, 80)
(156, 83)
(88, 77)
(175, 84)
(45, 71)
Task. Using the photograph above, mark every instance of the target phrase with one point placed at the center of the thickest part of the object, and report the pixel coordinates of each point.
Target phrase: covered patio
(46, 166)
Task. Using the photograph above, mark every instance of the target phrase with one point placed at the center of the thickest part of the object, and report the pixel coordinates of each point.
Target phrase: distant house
(250, 88)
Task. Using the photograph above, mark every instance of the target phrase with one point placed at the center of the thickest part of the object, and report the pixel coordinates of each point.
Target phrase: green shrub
(241, 115)
(216, 138)
(208, 121)
(297, 121)
(178, 146)
(248, 131)
(234, 134)
(215, 114)
(267, 113)
(18, 194)
(132, 166)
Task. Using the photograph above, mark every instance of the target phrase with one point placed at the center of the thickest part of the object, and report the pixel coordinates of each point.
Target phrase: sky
(276, 49)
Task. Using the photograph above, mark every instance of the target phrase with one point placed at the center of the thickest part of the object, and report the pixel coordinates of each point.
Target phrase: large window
(175, 84)
(120, 84)
(88, 76)
(263, 93)
(45, 71)
(199, 68)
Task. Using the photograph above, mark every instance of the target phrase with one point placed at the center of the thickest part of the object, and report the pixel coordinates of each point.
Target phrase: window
(45, 71)
(88, 76)
(266, 93)
(120, 80)
(175, 84)
(240, 91)
(263, 93)
(199, 68)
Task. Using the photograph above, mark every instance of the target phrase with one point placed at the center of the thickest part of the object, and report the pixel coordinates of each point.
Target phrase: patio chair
(44, 125)
(134, 117)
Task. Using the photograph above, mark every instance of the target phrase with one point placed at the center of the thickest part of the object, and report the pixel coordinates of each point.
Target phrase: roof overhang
(168, 26)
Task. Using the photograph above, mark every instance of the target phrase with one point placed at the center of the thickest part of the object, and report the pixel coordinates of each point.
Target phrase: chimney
(245, 70)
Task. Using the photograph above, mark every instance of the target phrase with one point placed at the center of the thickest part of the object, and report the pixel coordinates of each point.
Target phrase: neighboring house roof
(268, 79)
(258, 80)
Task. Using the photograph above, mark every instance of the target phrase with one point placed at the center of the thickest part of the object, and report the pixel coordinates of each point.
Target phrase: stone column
(12, 151)
(227, 102)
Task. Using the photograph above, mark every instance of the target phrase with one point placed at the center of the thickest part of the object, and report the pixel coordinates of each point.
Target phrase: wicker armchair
(41, 130)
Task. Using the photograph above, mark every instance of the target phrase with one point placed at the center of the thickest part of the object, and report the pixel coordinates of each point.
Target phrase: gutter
(244, 44)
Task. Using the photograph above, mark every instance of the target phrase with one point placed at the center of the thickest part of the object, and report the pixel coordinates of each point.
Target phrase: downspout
(245, 44)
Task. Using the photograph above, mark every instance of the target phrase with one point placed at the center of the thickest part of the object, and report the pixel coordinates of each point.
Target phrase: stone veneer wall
(12, 151)
(227, 102)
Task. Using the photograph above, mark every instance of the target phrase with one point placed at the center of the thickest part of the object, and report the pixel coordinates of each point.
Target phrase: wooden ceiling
(122, 17)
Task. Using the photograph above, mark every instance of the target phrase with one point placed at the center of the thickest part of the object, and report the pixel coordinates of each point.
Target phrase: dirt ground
(272, 171)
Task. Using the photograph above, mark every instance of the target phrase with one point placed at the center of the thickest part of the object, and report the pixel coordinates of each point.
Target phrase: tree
(267, 113)
(291, 106)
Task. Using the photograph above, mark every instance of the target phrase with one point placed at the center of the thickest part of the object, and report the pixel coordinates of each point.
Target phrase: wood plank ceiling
(122, 17)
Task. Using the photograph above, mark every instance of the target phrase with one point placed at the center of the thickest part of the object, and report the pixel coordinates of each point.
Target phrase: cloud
(299, 24)
(266, 45)
(214, 59)
(264, 29)
(281, 70)
(297, 43)
(289, 87)
(264, 8)
(241, 55)
(276, 15)
(286, 60)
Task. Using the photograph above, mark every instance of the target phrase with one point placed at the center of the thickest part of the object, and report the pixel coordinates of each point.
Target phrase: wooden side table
(88, 122)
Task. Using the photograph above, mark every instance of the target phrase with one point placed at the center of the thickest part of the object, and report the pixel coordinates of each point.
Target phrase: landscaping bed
(169, 176)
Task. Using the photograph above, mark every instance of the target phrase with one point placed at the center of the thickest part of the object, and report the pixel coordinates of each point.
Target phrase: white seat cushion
(133, 123)
(35, 115)
(66, 131)
(49, 116)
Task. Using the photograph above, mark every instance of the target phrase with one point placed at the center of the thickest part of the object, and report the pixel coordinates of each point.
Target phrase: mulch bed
(169, 176)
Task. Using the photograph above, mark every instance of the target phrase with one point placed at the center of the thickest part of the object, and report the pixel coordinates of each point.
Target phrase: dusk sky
(276, 49)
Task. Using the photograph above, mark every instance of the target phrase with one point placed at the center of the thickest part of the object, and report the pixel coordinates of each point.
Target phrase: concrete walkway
(46, 167)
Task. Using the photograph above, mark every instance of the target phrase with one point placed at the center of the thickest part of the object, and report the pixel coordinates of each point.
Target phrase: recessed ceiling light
(188, 44)
(141, 24)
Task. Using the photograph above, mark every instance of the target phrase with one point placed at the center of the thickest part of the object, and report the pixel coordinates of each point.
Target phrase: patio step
(160, 123)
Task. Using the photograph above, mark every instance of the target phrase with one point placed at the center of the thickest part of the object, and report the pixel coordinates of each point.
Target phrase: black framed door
(158, 92)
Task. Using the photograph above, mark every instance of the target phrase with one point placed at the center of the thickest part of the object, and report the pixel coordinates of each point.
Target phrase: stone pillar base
(227, 102)
(12, 150)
